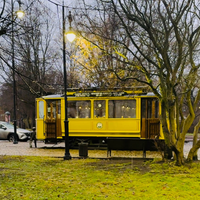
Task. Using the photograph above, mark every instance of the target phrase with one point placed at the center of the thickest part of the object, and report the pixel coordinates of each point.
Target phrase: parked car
(7, 132)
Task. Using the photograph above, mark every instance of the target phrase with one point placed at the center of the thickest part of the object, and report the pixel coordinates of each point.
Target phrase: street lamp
(19, 14)
(70, 36)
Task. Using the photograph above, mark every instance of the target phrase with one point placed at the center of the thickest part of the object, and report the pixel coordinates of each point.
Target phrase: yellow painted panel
(105, 125)
(121, 125)
(40, 129)
(80, 125)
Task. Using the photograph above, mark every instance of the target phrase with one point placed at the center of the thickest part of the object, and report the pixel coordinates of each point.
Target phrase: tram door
(150, 123)
(53, 120)
(40, 117)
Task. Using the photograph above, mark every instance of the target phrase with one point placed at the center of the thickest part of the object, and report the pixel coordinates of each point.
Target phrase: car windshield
(7, 125)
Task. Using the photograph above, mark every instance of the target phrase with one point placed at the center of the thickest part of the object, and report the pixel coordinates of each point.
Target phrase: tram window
(79, 109)
(59, 109)
(51, 109)
(41, 109)
(99, 108)
(156, 108)
(150, 108)
(144, 108)
(122, 109)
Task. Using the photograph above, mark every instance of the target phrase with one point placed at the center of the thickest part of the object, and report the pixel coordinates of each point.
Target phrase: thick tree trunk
(167, 153)
(178, 150)
(179, 158)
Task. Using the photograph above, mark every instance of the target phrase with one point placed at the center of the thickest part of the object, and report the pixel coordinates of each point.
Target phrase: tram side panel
(117, 125)
(96, 124)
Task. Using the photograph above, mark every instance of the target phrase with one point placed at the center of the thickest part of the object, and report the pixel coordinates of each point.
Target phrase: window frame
(77, 114)
(123, 116)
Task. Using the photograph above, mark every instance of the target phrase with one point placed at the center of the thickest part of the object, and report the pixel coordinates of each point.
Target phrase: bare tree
(161, 39)
(5, 18)
(35, 58)
(102, 66)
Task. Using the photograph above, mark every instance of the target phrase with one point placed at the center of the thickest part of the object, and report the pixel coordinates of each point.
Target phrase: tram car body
(127, 120)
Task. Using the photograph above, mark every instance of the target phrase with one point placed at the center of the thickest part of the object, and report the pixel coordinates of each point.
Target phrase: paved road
(22, 149)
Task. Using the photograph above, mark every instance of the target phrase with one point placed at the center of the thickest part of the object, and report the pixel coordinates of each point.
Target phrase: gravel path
(22, 149)
(52, 150)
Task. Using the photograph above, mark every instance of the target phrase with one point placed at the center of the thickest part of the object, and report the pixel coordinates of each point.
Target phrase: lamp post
(19, 14)
(70, 36)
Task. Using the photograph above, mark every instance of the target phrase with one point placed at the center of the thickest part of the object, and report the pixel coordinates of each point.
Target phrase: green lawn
(53, 178)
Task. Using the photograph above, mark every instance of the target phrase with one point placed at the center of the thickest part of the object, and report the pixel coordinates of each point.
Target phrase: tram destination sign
(99, 94)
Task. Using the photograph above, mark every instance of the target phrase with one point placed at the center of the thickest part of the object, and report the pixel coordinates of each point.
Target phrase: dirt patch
(4, 159)
(140, 165)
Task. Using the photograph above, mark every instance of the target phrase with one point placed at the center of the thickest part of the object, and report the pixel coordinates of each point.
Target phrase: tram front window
(99, 108)
(122, 108)
(51, 109)
(79, 109)
(41, 109)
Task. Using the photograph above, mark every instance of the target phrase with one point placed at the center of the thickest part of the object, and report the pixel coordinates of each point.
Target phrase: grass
(53, 178)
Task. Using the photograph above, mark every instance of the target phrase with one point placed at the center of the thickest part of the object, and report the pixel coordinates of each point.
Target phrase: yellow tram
(122, 119)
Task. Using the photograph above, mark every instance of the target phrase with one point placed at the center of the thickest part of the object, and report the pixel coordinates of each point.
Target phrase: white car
(7, 132)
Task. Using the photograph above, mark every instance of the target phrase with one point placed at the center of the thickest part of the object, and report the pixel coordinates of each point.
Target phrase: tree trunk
(195, 136)
(192, 151)
(167, 153)
(178, 150)
(179, 158)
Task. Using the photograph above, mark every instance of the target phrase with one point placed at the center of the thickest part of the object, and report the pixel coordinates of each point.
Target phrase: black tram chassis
(116, 143)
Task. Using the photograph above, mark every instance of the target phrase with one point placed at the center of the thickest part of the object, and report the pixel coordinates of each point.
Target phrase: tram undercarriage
(111, 143)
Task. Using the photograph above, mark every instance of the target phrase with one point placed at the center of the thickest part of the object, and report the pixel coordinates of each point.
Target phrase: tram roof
(52, 96)
(100, 94)
(112, 92)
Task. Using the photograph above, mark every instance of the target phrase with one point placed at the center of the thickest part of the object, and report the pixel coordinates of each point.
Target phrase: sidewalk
(52, 150)
(58, 150)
